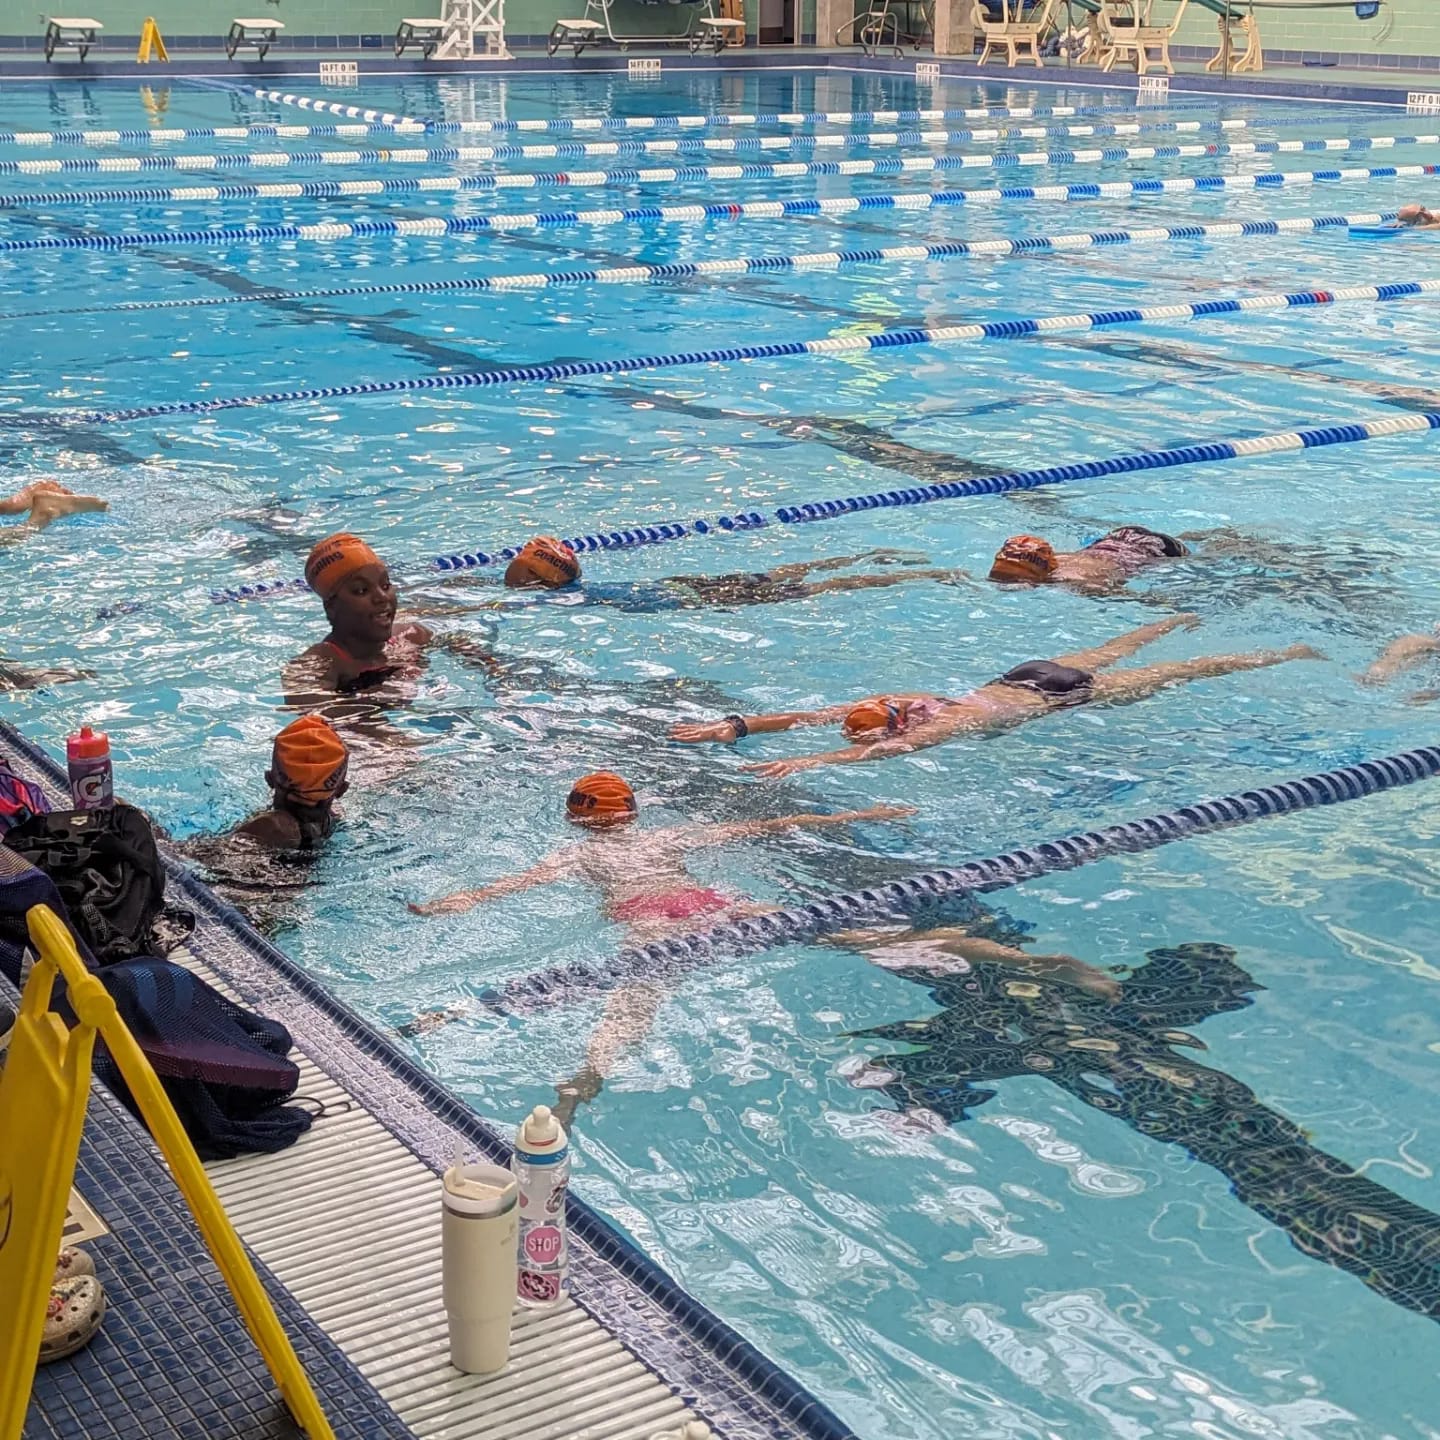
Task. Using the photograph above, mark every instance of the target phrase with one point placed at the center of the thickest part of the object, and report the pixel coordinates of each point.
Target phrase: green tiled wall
(1414, 29)
(123, 18)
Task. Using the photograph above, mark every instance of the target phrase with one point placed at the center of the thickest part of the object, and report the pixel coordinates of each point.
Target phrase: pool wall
(350, 24)
(1405, 36)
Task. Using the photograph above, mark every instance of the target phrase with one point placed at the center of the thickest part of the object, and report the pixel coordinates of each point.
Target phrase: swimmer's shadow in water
(1119, 1056)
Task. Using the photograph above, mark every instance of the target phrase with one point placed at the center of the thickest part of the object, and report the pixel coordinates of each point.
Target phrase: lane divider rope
(705, 144)
(579, 124)
(549, 371)
(327, 232)
(669, 174)
(1210, 452)
(765, 264)
(332, 107)
(914, 894)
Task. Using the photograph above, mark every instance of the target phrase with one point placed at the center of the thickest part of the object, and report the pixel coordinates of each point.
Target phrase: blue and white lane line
(581, 124)
(686, 145)
(1212, 452)
(770, 264)
(550, 371)
(352, 112)
(430, 228)
(914, 894)
(670, 174)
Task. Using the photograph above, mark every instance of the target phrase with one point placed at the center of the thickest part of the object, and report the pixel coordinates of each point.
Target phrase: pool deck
(344, 1228)
(1319, 79)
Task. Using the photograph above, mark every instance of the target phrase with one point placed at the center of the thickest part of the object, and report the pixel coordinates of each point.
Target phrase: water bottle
(542, 1170)
(477, 1254)
(92, 778)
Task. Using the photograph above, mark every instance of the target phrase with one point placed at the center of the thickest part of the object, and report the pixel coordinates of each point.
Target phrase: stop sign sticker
(542, 1245)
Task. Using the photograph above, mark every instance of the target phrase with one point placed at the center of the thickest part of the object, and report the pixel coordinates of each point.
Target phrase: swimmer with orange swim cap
(1103, 565)
(645, 886)
(545, 563)
(264, 858)
(883, 726)
(366, 650)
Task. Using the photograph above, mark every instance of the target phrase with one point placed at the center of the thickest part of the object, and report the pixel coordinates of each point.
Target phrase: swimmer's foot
(48, 505)
(579, 1090)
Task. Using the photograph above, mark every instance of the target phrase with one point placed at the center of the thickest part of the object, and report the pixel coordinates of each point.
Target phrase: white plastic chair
(1016, 30)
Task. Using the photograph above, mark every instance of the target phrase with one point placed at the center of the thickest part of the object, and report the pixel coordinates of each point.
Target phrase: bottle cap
(541, 1130)
(87, 745)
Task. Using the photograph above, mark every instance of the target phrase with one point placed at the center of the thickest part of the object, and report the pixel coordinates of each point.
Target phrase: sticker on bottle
(538, 1287)
(555, 1199)
(542, 1244)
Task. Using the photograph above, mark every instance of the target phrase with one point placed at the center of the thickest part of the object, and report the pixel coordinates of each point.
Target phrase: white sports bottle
(542, 1170)
(478, 1236)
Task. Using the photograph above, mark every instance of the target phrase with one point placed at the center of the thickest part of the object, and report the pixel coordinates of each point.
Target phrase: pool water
(1043, 1266)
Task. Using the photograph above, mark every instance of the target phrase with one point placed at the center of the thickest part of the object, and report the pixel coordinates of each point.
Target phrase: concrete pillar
(830, 15)
(954, 27)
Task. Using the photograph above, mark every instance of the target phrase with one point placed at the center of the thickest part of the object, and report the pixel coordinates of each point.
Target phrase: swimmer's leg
(1128, 685)
(801, 569)
(903, 949)
(629, 1015)
(1123, 646)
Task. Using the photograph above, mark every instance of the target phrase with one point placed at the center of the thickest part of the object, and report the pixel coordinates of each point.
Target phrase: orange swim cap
(1024, 557)
(309, 760)
(876, 714)
(543, 561)
(334, 560)
(601, 799)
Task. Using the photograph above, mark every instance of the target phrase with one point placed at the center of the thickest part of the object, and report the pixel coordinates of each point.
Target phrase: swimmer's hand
(720, 732)
(885, 812)
(1304, 652)
(782, 769)
(446, 905)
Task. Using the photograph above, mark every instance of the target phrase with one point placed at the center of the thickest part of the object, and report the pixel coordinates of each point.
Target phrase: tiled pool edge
(688, 1348)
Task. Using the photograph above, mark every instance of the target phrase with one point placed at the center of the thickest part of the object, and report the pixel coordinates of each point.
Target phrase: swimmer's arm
(468, 649)
(547, 872)
(933, 732)
(748, 829)
(1400, 655)
(724, 732)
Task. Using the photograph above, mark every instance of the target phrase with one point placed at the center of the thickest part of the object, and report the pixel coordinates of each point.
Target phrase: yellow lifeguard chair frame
(44, 1089)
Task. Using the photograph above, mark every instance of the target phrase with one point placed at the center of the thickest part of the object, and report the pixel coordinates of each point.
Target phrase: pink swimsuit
(673, 905)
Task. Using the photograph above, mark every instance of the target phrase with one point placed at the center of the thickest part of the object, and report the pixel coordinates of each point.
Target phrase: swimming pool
(1044, 1267)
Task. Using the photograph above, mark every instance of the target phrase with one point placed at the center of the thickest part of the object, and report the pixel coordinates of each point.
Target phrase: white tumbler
(478, 1254)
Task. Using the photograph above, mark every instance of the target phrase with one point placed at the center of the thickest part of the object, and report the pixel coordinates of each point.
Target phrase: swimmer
(46, 501)
(645, 886)
(267, 856)
(1401, 655)
(366, 650)
(887, 725)
(1101, 567)
(1417, 216)
(545, 563)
